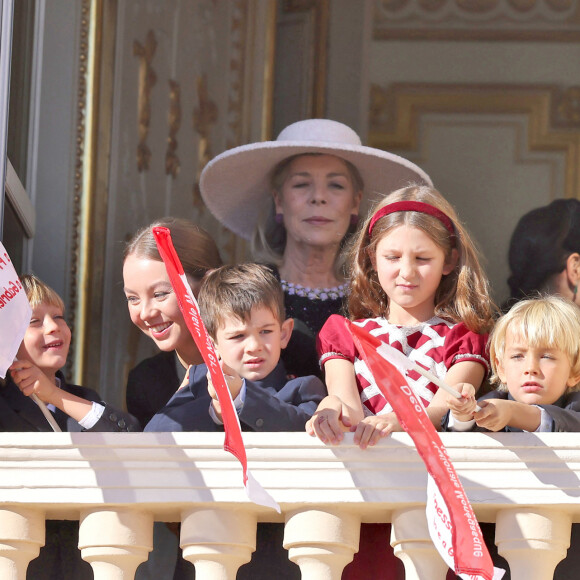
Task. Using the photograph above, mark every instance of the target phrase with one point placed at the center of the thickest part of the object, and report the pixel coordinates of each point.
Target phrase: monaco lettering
(9, 293)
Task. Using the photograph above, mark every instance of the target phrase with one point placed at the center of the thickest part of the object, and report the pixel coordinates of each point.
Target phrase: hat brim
(236, 184)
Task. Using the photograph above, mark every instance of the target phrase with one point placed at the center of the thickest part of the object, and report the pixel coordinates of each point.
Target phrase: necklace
(314, 293)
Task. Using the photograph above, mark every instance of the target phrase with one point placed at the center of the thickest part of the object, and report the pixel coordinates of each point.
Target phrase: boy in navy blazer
(41, 355)
(242, 307)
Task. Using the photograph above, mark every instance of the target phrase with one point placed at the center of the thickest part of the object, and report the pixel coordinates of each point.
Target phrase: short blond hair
(39, 293)
(544, 322)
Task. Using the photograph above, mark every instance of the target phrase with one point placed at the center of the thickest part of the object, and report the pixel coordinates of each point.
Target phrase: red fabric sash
(233, 442)
(452, 523)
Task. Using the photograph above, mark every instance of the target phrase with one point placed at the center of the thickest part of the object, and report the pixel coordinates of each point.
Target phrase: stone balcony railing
(117, 485)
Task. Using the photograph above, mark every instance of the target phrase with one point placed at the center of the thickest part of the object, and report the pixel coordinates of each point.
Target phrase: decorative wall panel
(190, 79)
(549, 20)
(495, 152)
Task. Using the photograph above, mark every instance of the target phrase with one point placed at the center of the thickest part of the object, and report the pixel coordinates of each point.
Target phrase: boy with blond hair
(535, 357)
(37, 370)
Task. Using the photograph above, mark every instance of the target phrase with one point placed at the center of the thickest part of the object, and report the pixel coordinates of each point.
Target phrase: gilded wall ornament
(204, 116)
(549, 20)
(172, 163)
(147, 79)
(569, 107)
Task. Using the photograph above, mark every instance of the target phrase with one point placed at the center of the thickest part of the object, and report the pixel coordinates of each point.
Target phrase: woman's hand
(31, 380)
(371, 429)
(330, 420)
(462, 409)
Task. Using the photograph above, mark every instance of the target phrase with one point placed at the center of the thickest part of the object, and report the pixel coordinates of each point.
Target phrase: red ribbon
(468, 550)
(233, 442)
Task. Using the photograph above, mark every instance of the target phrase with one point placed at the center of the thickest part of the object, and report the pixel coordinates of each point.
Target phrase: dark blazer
(565, 412)
(20, 413)
(188, 408)
(273, 404)
(151, 384)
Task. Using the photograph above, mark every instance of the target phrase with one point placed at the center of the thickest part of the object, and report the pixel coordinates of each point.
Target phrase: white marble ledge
(165, 473)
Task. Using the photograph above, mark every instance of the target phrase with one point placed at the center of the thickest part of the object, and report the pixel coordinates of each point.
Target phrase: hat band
(417, 206)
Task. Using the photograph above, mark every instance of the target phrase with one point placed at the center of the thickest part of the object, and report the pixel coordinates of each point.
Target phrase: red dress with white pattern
(436, 345)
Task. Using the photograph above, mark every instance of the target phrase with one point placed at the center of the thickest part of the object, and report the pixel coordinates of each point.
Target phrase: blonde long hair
(462, 296)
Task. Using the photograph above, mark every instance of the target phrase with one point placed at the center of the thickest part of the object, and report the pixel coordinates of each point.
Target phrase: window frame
(13, 189)
(6, 13)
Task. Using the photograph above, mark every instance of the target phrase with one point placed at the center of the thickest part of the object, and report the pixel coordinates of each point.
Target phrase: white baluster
(21, 537)
(321, 542)
(115, 541)
(413, 546)
(218, 541)
(533, 541)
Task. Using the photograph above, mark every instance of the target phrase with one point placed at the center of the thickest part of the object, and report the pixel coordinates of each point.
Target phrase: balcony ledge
(118, 484)
(162, 472)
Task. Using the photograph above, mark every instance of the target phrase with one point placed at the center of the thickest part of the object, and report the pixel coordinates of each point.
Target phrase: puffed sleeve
(463, 345)
(335, 341)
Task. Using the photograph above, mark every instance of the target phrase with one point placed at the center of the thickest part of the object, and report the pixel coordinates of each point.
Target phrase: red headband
(418, 206)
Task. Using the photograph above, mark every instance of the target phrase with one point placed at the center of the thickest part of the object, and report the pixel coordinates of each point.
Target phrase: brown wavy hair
(462, 296)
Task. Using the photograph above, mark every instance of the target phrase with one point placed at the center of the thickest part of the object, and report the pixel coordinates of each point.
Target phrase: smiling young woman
(154, 310)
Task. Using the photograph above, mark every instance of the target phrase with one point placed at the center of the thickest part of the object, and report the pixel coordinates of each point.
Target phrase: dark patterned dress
(310, 309)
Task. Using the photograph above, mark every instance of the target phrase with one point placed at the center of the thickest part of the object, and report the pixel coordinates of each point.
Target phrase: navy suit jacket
(20, 413)
(272, 404)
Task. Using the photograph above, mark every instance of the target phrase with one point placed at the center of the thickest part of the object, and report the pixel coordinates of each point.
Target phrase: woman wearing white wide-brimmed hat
(297, 199)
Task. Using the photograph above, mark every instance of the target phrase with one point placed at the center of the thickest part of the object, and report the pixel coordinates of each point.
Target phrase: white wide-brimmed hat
(236, 184)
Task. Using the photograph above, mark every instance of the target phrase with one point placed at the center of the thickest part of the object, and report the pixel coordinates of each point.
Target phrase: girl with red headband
(417, 284)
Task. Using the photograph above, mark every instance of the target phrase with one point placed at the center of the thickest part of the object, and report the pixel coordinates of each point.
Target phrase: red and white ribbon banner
(233, 442)
(15, 312)
(452, 524)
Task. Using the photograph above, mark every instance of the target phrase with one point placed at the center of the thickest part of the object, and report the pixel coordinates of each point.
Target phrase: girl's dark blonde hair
(462, 296)
(196, 249)
(544, 322)
(269, 238)
(39, 293)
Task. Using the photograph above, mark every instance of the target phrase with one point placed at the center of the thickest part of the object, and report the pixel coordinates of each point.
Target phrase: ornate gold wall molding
(204, 116)
(568, 108)
(549, 20)
(107, 179)
(94, 114)
(396, 117)
(74, 296)
(236, 92)
(319, 12)
(172, 163)
(147, 79)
